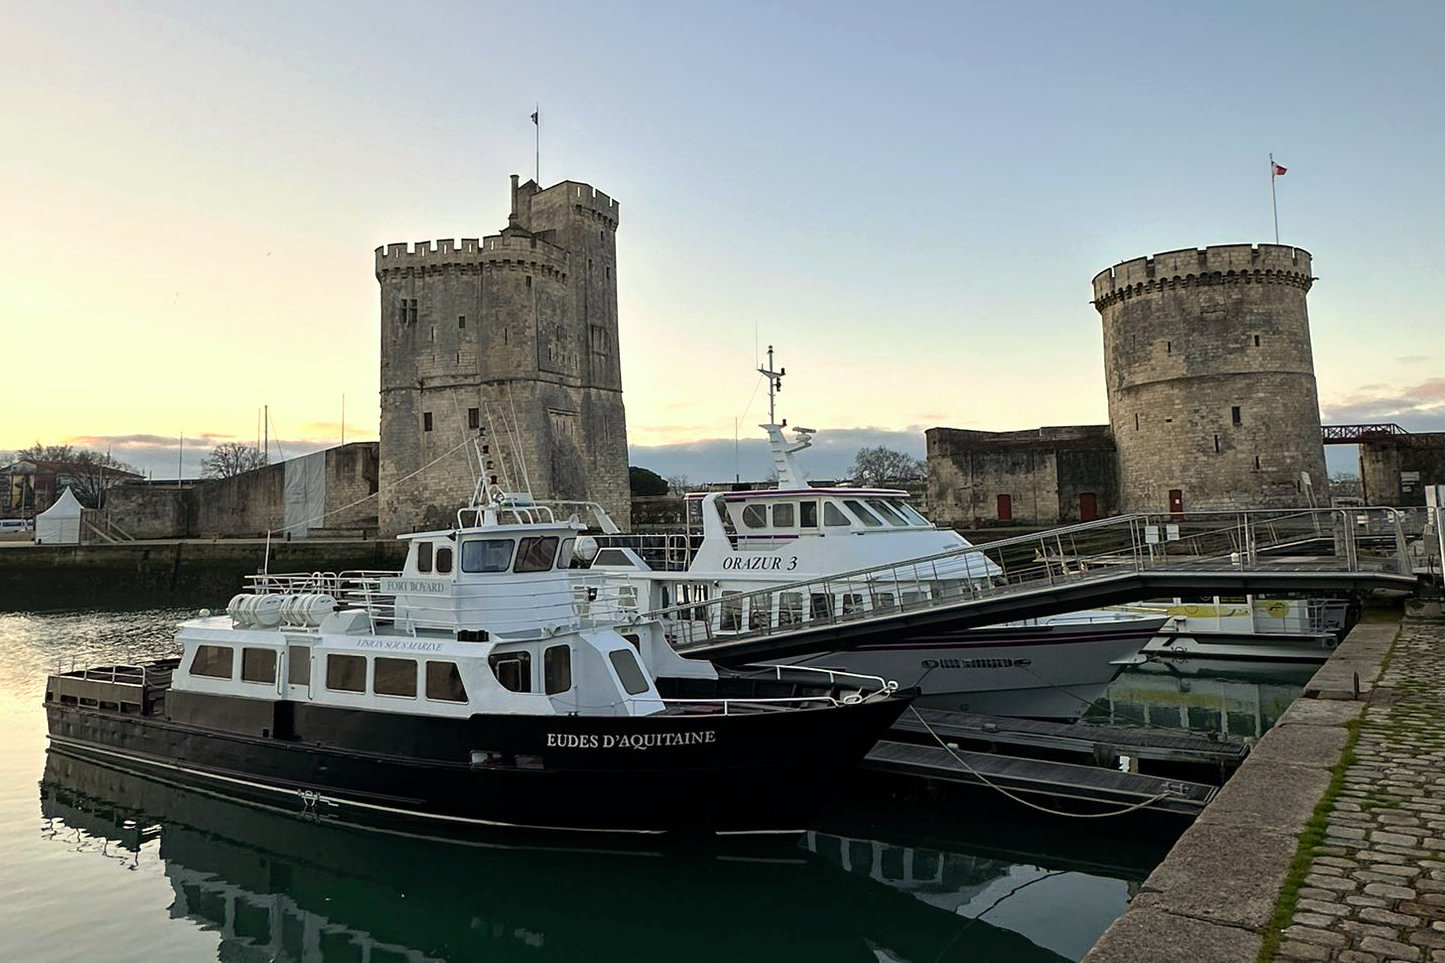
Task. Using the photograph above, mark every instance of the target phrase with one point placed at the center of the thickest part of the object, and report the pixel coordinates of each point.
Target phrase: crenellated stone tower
(1210, 378)
(521, 325)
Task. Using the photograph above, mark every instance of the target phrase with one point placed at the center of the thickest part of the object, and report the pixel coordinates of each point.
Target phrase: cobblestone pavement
(1375, 892)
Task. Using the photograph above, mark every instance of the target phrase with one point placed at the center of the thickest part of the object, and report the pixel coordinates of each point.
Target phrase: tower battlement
(471, 253)
(1219, 264)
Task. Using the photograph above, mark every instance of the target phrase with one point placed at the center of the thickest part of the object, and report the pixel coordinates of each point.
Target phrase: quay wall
(1213, 896)
(39, 577)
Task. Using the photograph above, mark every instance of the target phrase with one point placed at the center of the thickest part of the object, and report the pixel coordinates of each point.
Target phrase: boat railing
(753, 703)
(1292, 540)
(357, 589)
(834, 676)
(667, 552)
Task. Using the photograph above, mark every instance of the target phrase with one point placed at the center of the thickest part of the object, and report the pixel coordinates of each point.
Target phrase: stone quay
(1328, 844)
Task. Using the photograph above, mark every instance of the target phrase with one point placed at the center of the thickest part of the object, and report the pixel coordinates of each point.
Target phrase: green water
(105, 866)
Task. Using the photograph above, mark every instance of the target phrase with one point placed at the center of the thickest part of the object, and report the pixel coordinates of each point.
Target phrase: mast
(789, 474)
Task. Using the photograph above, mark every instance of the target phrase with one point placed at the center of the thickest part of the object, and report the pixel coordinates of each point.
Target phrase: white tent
(60, 523)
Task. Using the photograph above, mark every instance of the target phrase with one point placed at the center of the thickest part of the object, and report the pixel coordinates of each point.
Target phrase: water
(107, 866)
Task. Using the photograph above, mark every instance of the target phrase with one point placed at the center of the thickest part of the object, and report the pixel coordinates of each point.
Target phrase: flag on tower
(1278, 171)
(534, 121)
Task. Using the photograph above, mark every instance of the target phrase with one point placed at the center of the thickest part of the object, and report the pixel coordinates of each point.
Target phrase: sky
(908, 200)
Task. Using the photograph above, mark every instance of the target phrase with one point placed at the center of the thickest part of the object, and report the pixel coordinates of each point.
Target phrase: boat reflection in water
(1231, 700)
(281, 886)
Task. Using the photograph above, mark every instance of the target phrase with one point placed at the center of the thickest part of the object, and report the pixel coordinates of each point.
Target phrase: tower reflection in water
(282, 886)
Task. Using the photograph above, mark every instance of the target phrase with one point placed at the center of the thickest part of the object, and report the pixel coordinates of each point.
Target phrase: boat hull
(755, 772)
(1046, 671)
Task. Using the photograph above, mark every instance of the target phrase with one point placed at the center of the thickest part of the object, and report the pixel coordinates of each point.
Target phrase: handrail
(1333, 539)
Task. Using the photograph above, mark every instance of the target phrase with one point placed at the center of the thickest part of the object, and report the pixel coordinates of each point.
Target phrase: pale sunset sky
(909, 200)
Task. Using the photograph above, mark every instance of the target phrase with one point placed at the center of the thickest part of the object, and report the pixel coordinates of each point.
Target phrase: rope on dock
(952, 751)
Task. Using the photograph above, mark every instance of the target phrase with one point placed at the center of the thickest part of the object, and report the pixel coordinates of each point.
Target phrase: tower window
(461, 321)
(1256, 463)
(474, 419)
(529, 280)
(1136, 421)
(433, 332)
(1256, 341)
(1168, 347)
(1216, 444)
(1235, 415)
(426, 421)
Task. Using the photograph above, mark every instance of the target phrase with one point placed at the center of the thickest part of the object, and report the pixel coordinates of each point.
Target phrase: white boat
(489, 684)
(770, 538)
(1246, 628)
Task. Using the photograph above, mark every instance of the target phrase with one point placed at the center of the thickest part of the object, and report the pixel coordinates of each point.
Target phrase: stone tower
(521, 327)
(1210, 377)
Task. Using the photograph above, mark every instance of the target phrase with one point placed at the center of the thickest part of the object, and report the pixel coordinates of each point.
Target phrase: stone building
(516, 333)
(1394, 469)
(1210, 379)
(1045, 476)
(1212, 403)
(330, 492)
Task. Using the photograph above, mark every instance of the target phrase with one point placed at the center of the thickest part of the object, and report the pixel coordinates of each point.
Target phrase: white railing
(1355, 539)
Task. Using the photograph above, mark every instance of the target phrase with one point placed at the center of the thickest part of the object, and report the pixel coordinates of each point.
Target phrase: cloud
(716, 459)
(1419, 407)
(1415, 358)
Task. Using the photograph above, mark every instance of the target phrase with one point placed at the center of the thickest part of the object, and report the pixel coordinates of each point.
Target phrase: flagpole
(1272, 202)
(537, 131)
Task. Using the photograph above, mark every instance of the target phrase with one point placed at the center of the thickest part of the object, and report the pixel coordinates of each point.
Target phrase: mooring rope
(952, 751)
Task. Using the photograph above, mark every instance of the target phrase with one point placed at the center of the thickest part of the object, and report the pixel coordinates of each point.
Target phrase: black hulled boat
(488, 684)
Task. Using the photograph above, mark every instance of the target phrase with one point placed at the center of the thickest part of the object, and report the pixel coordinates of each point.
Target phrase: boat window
(783, 515)
(536, 554)
(423, 556)
(556, 669)
(790, 608)
(807, 514)
(394, 677)
(755, 516)
(883, 601)
(486, 555)
(912, 515)
(864, 515)
(852, 603)
(258, 665)
(731, 618)
(629, 671)
(512, 669)
(882, 507)
(820, 606)
(564, 556)
(298, 665)
(444, 561)
(346, 673)
(760, 612)
(213, 661)
(444, 682)
(833, 515)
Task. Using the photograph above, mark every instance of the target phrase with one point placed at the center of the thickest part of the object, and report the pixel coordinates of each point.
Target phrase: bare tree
(87, 473)
(232, 458)
(678, 485)
(872, 466)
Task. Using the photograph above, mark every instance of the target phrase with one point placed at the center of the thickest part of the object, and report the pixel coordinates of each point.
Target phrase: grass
(1304, 856)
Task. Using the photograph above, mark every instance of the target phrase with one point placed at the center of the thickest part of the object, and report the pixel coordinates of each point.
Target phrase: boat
(757, 547)
(1246, 628)
(270, 886)
(487, 685)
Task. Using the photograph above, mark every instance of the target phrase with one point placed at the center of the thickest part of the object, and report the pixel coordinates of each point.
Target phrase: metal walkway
(1107, 562)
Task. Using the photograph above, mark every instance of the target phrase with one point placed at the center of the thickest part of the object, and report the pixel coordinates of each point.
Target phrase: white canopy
(60, 523)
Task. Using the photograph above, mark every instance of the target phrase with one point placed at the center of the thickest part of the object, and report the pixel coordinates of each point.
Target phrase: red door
(1088, 506)
(1005, 508)
(1176, 503)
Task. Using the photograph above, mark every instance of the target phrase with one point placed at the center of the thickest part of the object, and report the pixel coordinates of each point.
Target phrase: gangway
(1105, 562)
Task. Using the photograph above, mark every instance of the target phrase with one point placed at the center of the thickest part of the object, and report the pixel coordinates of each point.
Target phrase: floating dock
(1091, 765)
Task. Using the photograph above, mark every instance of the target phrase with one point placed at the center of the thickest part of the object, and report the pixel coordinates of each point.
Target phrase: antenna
(775, 384)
